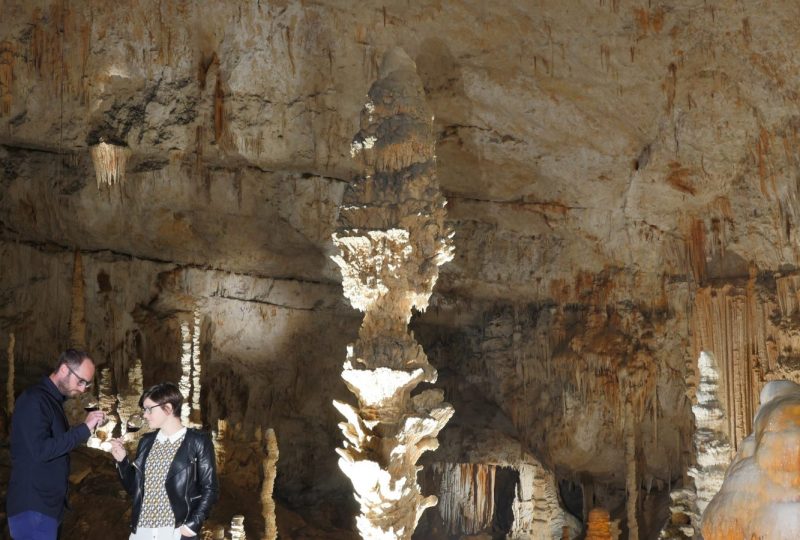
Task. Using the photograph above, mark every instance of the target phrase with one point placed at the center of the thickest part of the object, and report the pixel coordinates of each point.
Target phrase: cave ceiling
(577, 137)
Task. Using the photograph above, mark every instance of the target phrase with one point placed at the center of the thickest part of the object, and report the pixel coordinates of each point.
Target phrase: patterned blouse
(156, 510)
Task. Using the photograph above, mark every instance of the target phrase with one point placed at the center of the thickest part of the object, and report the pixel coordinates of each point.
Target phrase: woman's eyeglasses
(148, 410)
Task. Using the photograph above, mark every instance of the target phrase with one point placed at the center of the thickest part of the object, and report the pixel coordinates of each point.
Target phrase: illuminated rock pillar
(267, 502)
(631, 478)
(392, 241)
(712, 444)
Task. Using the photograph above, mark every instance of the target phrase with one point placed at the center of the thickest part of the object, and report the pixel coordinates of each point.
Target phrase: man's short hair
(164, 393)
(73, 358)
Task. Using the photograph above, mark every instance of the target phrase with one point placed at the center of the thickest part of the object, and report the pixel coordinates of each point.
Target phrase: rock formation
(760, 497)
(621, 180)
(269, 469)
(598, 526)
(391, 244)
(711, 441)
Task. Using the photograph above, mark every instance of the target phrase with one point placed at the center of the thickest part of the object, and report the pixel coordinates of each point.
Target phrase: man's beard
(62, 388)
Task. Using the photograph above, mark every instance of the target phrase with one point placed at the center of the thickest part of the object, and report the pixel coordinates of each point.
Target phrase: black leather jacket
(191, 481)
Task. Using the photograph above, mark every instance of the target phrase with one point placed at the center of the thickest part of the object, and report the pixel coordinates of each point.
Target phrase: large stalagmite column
(392, 241)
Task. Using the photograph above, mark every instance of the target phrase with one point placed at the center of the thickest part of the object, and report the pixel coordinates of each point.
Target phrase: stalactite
(109, 161)
(10, 380)
(631, 479)
(391, 244)
(730, 323)
(77, 317)
(466, 501)
(6, 77)
(267, 503)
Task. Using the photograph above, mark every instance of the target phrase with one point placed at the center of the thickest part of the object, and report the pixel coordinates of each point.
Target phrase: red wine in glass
(134, 423)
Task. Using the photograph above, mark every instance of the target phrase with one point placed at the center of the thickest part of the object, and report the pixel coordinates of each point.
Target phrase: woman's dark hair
(164, 393)
(73, 358)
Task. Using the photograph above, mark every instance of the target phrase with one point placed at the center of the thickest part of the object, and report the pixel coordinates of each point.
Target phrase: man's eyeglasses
(149, 410)
(81, 381)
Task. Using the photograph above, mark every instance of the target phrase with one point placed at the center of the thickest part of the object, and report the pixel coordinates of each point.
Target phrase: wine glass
(134, 423)
(89, 403)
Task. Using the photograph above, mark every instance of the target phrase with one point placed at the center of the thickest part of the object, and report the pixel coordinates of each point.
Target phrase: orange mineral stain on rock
(599, 525)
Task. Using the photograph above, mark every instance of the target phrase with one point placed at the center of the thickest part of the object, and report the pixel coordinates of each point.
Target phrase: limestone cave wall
(621, 178)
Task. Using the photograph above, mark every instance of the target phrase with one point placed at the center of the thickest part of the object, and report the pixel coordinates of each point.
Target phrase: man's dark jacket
(191, 480)
(41, 441)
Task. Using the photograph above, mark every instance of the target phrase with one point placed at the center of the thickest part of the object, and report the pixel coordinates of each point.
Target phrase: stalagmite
(77, 316)
(128, 399)
(267, 503)
(237, 528)
(598, 526)
(109, 161)
(631, 481)
(10, 381)
(760, 497)
(219, 443)
(711, 441)
(713, 454)
(392, 241)
(536, 506)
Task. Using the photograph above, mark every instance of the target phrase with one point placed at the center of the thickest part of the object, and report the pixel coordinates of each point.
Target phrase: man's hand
(93, 419)
(118, 450)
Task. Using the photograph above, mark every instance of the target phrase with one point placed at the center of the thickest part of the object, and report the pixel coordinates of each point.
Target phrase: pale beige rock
(392, 243)
(269, 468)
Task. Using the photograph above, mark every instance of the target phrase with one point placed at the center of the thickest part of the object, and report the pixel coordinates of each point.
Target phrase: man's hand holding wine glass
(94, 419)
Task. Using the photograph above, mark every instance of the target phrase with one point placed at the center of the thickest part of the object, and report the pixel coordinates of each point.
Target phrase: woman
(173, 479)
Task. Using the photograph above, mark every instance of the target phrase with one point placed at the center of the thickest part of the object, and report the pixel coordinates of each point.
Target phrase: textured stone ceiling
(574, 136)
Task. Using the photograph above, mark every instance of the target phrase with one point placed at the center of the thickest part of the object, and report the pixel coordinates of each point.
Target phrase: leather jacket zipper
(186, 490)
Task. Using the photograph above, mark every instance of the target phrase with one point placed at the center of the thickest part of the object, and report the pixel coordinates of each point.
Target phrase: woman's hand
(187, 532)
(118, 450)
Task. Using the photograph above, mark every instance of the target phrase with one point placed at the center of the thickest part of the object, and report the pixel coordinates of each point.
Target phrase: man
(41, 441)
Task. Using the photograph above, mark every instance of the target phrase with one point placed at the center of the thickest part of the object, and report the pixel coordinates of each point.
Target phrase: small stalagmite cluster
(391, 243)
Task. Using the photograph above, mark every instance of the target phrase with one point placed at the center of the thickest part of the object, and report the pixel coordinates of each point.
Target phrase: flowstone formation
(392, 241)
(760, 497)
